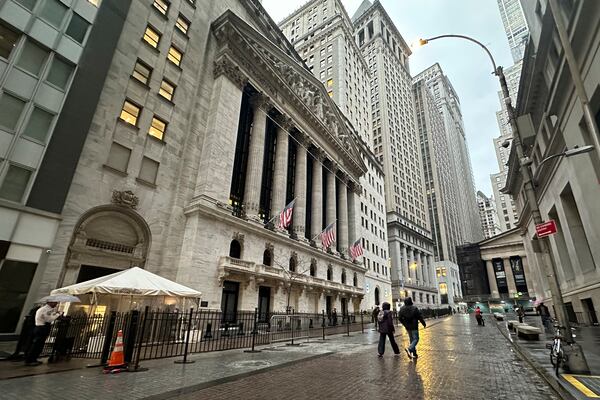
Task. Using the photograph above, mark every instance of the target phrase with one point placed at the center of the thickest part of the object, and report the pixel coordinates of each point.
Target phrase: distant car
(530, 311)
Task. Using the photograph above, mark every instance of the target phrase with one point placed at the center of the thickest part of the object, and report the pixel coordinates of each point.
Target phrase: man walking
(374, 315)
(545, 314)
(385, 321)
(44, 317)
(410, 317)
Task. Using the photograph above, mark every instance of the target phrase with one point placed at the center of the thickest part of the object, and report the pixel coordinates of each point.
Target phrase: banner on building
(500, 275)
(516, 263)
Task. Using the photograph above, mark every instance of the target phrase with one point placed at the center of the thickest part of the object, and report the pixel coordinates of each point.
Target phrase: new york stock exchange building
(193, 145)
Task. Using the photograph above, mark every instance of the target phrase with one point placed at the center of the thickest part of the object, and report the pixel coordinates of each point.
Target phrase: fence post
(254, 332)
(323, 324)
(136, 364)
(292, 326)
(347, 324)
(362, 323)
(108, 338)
(187, 341)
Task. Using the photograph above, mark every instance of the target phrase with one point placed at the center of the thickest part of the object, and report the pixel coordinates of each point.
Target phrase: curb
(548, 377)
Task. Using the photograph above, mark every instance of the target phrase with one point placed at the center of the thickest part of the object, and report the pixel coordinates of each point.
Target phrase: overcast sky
(464, 63)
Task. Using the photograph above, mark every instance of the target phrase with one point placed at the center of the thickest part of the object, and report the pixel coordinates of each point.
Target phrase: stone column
(343, 213)
(281, 166)
(353, 213)
(396, 270)
(405, 272)
(218, 148)
(432, 273)
(492, 279)
(299, 217)
(256, 154)
(331, 199)
(531, 290)
(419, 270)
(317, 197)
(411, 271)
(510, 278)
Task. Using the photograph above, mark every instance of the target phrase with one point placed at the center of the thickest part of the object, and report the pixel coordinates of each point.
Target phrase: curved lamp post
(576, 361)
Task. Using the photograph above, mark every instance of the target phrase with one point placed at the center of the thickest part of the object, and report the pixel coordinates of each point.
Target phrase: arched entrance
(377, 296)
(106, 239)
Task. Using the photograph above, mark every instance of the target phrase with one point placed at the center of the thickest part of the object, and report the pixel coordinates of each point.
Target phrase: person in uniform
(44, 317)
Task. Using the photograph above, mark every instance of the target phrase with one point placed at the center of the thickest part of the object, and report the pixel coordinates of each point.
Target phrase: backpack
(381, 316)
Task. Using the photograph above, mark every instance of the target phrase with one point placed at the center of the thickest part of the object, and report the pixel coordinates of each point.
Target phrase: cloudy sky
(466, 64)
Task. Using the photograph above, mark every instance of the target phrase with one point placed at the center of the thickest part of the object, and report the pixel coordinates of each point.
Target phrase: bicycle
(557, 356)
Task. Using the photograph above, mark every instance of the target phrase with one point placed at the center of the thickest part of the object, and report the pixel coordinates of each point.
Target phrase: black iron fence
(160, 334)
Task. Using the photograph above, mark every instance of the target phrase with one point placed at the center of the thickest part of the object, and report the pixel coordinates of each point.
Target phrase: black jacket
(410, 317)
(387, 325)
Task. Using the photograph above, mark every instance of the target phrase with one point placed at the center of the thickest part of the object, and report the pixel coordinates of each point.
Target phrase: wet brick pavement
(458, 360)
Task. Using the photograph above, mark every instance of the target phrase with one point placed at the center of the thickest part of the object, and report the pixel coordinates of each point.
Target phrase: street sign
(545, 229)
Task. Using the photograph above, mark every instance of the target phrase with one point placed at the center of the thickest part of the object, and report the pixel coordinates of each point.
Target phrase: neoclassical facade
(190, 185)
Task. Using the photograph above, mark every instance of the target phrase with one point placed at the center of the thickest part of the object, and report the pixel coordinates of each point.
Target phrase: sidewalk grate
(586, 384)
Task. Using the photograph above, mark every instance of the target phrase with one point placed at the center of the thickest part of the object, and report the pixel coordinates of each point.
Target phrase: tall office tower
(448, 104)
(321, 32)
(517, 33)
(397, 146)
(488, 215)
(515, 27)
(440, 176)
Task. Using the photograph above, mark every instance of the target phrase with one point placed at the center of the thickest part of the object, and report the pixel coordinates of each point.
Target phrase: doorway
(264, 303)
(588, 306)
(229, 300)
(376, 296)
(88, 272)
(344, 303)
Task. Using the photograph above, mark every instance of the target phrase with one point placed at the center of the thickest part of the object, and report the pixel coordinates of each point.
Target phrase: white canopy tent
(131, 283)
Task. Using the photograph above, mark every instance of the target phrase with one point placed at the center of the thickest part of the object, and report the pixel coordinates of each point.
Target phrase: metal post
(108, 338)
(362, 323)
(323, 324)
(136, 364)
(254, 332)
(187, 341)
(292, 326)
(347, 324)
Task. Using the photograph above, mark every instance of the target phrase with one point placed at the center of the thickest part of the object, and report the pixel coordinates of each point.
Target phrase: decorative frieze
(225, 66)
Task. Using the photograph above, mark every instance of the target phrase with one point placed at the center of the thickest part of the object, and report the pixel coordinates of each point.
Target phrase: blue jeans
(413, 336)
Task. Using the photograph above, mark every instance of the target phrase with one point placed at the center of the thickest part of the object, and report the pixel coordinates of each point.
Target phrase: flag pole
(319, 234)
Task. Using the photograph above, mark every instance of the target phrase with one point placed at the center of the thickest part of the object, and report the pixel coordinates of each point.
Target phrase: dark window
(77, 28)
(329, 274)
(344, 277)
(15, 280)
(313, 269)
(235, 249)
(267, 258)
(8, 39)
(293, 264)
(355, 280)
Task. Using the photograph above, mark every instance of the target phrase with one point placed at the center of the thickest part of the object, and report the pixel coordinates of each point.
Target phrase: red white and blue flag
(328, 235)
(356, 250)
(285, 217)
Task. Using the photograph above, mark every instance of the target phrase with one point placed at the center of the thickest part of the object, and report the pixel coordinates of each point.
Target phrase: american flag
(356, 250)
(285, 217)
(328, 235)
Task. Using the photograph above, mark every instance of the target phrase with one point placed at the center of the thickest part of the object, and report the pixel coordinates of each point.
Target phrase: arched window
(355, 280)
(377, 296)
(344, 277)
(313, 268)
(268, 258)
(329, 273)
(235, 249)
(293, 264)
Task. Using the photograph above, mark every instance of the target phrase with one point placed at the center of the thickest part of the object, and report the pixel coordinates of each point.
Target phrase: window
(130, 113)
(38, 125)
(59, 73)
(175, 55)
(53, 12)
(167, 90)
(329, 82)
(10, 111)
(142, 72)
(162, 6)
(118, 158)
(157, 128)
(8, 39)
(182, 24)
(28, 4)
(77, 28)
(15, 183)
(95, 2)
(32, 58)
(151, 37)
(148, 170)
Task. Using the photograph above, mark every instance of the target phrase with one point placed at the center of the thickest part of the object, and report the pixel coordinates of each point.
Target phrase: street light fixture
(576, 361)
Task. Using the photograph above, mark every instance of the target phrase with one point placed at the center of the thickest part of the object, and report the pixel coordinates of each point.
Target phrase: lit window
(151, 37)
(32, 58)
(142, 72)
(8, 39)
(162, 6)
(10, 111)
(330, 93)
(59, 73)
(157, 129)
(130, 113)
(53, 13)
(182, 24)
(329, 82)
(167, 90)
(15, 183)
(175, 55)
(95, 2)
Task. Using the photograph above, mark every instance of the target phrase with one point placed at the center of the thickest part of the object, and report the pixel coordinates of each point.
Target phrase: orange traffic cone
(117, 357)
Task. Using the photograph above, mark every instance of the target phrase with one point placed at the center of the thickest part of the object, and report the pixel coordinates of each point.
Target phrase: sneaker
(396, 354)
(380, 355)
(408, 353)
(415, 355)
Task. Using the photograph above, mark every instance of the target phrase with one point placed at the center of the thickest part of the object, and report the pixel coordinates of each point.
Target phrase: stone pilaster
(419, 270)
(281, 165)
(404, 264)
(256, 153)
(300, 187)
(492, 279)
(218, 148)
(331, 198)
(510, 277)
(343, 213)
(432, 273)
(317, 196)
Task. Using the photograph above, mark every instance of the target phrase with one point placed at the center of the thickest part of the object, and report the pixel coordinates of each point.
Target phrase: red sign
(546, 229)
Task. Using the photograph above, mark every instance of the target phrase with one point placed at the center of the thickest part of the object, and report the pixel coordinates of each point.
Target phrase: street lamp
(576, 361)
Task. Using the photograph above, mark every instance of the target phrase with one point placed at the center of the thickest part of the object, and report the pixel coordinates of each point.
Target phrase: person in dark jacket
(374, 315)
(385, 321)
(409, 317)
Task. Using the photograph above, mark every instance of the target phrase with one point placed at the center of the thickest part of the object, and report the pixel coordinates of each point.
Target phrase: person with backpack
(385, 323)
(410, 316)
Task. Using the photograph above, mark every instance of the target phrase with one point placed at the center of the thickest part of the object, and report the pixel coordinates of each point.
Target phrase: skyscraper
(515, 27)
(488, 215)
(448, 104)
